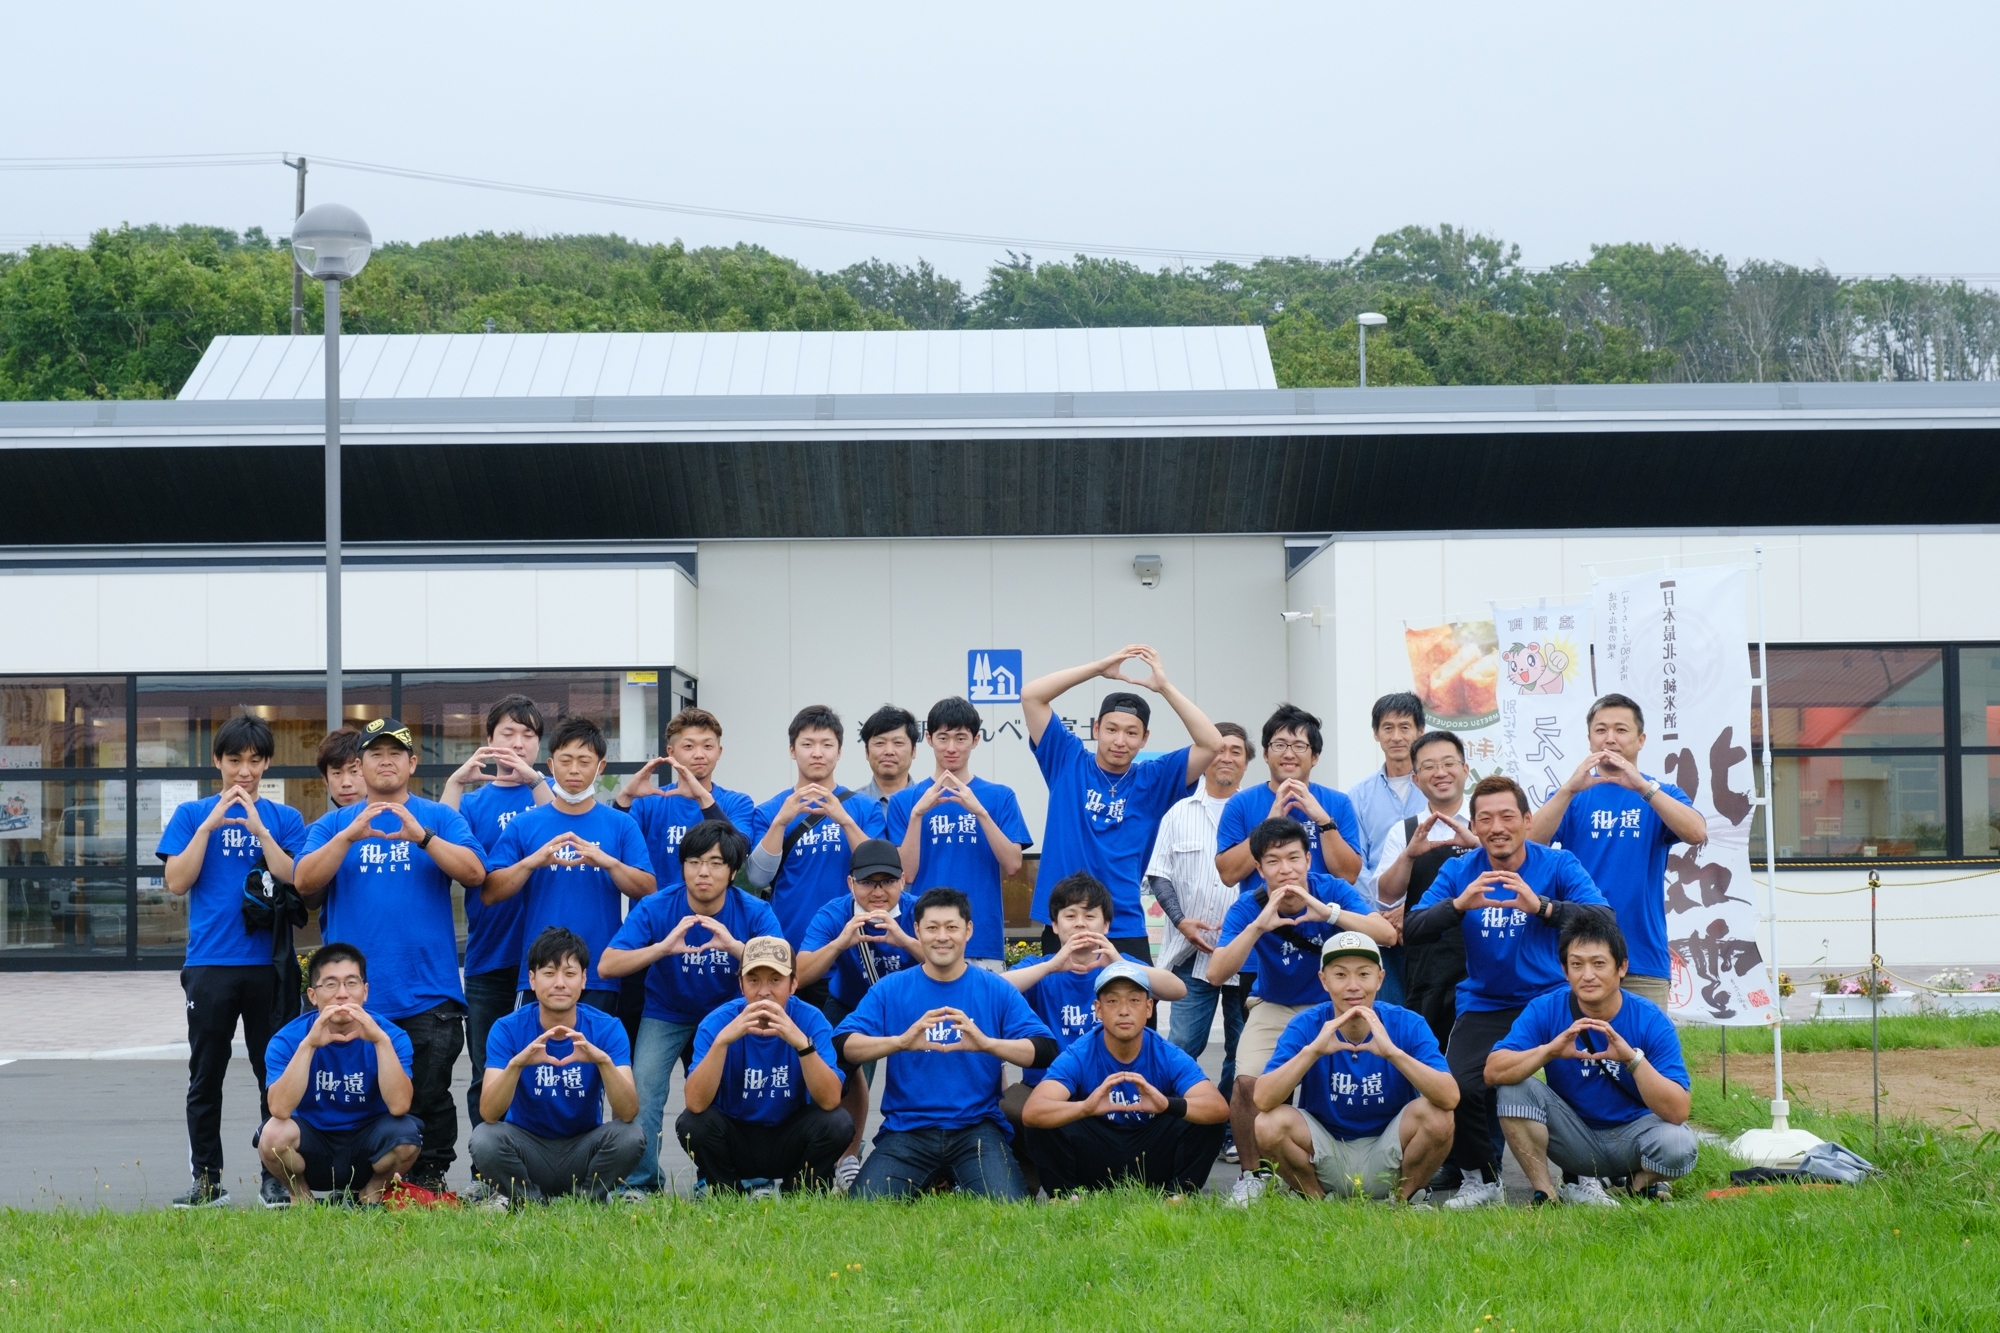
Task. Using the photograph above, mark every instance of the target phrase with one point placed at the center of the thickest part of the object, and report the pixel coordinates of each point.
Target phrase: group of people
(1393, 964)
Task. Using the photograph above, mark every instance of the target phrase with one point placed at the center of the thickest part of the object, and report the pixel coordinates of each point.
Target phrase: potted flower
(1953, 991)
(1851, 997)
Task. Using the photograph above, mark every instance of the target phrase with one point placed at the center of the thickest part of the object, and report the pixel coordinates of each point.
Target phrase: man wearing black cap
(1104, 809)
(384, 869)
(1123, 1102)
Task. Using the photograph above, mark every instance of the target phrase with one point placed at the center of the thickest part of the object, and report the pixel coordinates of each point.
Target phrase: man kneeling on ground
(1616, 1100)
(1375, 1094)
(340, 1104)
(550, 1067)
(763, 1098)
(1124, 1103)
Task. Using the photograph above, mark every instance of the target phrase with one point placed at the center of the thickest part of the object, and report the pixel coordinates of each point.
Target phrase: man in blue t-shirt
(1105, 808)
(551, 1069)
(1616, 1100)
(946, 1027)
(1123, 1103)
(665, 814)
(1375, 1095)
(211, 847)
(384, 869)
(1621, 824)
(763, 1098)
(575, 860)
(1292, 745)
(801, 839)
(687, 941)
(1276, 932)
(340, 1105)
(493, 934)
(959, 831)
(1509, 901)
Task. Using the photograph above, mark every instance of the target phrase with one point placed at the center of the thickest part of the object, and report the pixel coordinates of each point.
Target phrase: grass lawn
(1916, 1249)
(1905, 1033)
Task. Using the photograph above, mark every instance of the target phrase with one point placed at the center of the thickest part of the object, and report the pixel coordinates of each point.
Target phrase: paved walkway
(92, 1015)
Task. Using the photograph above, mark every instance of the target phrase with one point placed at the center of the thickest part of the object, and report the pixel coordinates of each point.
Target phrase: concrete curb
(175, 1051)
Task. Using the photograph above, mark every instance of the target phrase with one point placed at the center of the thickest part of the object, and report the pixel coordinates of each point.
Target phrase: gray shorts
(1347, 1167)
(1614, 1150)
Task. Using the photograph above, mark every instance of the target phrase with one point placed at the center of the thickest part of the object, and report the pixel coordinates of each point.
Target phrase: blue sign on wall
(993, 675)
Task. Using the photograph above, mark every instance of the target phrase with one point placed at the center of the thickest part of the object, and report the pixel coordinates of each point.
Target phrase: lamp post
(1367, 319)
(331, 242)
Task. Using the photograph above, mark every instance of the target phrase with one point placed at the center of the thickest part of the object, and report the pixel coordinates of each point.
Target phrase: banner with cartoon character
(1543, 692)
(20, 799)
(1452, 669)
(1674, 641)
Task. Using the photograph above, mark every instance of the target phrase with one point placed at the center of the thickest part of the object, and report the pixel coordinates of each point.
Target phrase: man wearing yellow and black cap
(384, 868)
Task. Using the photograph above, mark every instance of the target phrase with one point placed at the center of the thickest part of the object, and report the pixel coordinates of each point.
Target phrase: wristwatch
(806, 1049)
(425, 841)
(1327, 827)
(1638, 1057)
(1652, 790)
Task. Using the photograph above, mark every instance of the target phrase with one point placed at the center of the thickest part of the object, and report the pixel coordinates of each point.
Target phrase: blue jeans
(976, 1158)
(660, 1044)
(1193, 1016)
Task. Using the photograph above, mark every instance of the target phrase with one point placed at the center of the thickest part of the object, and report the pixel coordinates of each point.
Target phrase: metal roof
(673, 365)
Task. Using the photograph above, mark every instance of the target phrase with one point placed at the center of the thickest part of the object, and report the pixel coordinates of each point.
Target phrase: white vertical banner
(1674, 642)
(1543, 691)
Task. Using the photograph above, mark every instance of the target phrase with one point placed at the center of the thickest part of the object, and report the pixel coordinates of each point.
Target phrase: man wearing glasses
(1292, 745)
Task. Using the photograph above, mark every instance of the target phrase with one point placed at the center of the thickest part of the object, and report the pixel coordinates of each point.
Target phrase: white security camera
(1147, 567)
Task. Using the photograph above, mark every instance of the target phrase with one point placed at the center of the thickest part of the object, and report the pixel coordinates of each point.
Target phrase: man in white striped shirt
(1183, 880)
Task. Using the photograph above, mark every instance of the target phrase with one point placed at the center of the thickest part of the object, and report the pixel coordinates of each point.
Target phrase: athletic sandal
(1657, 1192)
(1538, 1200)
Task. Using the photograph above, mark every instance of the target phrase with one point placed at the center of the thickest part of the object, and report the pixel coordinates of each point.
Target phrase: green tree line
(128, 314)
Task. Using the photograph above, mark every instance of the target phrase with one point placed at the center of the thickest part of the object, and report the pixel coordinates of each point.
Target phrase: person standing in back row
(961, 831)
(665, 814)
(889, 744)
(801, 839)
(1621, 824)
(1292, 745)
(1383, 800)
(1104, 809)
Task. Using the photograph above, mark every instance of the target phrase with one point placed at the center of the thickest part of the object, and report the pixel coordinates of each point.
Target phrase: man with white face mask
(573, 858)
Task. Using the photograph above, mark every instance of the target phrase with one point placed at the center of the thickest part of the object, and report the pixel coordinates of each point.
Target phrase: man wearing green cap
(1375, 1094)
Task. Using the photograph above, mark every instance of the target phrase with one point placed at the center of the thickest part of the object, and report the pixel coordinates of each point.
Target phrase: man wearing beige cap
(763, 1097)
(1375, 1094)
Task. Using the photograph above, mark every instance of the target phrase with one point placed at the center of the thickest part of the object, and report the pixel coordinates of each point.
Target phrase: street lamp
(1367, 319)
(331, 242)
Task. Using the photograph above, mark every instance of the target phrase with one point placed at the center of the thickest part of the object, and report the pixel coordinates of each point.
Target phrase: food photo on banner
(1543, 693)
(1453, 669)
(1674, 641)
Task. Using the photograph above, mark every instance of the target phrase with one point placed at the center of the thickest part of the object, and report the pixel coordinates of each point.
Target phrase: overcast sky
(1858, 135)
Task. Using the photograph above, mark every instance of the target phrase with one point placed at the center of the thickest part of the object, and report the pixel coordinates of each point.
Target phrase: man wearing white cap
(1123, 1102)
(1375, 1094)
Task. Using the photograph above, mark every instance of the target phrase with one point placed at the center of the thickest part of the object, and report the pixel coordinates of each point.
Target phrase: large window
(91, 768)
(1885, 752)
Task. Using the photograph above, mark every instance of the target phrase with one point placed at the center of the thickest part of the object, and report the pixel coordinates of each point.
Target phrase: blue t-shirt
(1102, 824)
(954, 853)
(762, 1082)
(814, 872)
(1602, 1092)
(392, 902)
(342, 1091)
(1085, 1064)
(1355, 1094)
(1510, 956)
(942, 1089)
(1623, 845)
(493, 934)
(848, 981)
(216, 937)
(1067, 1002)
(1252, 806)
(557, 1101)
(567, 892)
(665, 818)
(686, 987)
(1287, 974)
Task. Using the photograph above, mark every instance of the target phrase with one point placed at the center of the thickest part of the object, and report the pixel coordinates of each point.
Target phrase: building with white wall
(619, 524)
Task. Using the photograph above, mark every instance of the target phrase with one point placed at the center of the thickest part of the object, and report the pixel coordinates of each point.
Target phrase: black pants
(632, 1004)
(1476, 1140)
(1092, 1153)
(801, 1149)
(489, 997)
(436, 1038)
(217, 997)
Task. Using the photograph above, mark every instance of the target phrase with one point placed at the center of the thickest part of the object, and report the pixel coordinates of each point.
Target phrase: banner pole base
(1778, 1146)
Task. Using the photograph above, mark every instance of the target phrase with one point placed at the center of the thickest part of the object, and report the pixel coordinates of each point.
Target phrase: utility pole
(299, 274)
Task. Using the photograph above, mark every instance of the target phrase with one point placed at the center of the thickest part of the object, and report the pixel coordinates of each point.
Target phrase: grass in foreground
(1917, 1249)
(1926, 1032)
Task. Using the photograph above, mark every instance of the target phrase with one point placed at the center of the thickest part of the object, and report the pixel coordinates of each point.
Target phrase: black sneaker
(203, 1194)
(273, 1194)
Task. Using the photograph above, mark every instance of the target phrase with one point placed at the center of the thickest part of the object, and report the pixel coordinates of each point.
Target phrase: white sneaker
(1477, 1192)
(845, 1172)
(1248, 1189)
(1589, 1192)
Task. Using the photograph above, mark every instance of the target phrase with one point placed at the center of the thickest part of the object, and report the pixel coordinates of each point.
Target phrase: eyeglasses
(1437, 766)
(1290, 747)
(335, 985)
(711, 862)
